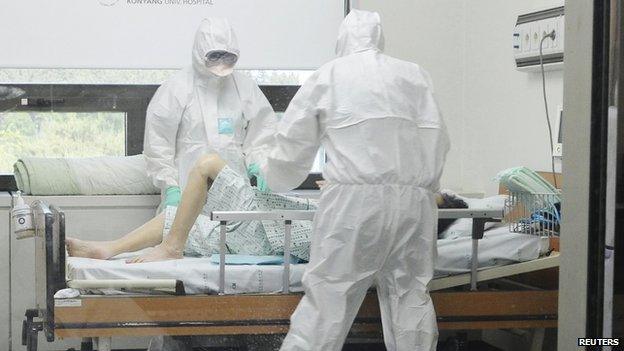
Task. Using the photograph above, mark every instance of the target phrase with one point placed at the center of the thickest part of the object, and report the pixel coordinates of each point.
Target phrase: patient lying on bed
(187, 230)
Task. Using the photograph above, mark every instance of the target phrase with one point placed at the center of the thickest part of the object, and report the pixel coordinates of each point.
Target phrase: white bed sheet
(200, 276)
(498, 247)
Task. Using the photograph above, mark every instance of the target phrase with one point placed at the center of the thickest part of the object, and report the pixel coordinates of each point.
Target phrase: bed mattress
(201, 276)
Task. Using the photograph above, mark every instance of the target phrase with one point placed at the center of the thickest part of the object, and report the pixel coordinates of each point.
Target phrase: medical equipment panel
(527, 38)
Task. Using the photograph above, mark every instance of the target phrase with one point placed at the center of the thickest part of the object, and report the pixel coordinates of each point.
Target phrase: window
(281, 77)
(60, 134)
(319, 161)
(86, 112)
(134, 76)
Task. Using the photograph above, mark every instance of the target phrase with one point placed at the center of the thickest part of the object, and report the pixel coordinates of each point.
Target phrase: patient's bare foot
(90, 249)
(160, 252)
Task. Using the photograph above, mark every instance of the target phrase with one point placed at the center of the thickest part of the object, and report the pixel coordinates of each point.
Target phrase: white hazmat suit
(206, 108)
(386, 144)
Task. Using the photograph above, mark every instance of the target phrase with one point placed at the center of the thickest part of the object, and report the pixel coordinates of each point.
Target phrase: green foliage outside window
(55, 134)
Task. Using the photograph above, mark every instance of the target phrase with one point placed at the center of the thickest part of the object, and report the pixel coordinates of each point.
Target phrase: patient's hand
(162, 252)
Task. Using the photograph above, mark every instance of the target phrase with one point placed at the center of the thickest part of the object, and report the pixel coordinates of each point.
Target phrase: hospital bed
(100, 318)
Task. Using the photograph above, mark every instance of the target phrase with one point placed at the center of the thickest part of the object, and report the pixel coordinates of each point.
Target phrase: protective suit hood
(214, 34)
(360, 31)
(196, 112)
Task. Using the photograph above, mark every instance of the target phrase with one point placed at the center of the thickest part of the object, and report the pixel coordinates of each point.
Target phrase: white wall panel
(279, 34)
(494, 113)
(504, 118)
(431, 34)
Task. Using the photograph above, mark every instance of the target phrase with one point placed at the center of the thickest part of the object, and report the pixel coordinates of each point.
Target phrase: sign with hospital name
(157, 2)
(65, 32)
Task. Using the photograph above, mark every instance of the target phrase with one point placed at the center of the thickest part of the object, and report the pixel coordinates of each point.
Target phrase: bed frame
(97, 319)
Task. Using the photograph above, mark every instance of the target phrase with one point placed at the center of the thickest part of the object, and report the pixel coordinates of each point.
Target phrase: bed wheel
(32, 341)
(31, 329)
(24, 332)
(455, 343)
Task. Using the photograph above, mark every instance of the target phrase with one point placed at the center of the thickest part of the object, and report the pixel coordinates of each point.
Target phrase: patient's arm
(150, 234)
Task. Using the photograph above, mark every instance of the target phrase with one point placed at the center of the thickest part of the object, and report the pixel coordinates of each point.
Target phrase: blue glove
(253, 170)
(172, 196)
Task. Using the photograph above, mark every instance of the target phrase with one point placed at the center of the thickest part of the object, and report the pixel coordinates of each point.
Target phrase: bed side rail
(177, 286)
(49, 222)
(286, 216)
(479, 218)
(470, 213)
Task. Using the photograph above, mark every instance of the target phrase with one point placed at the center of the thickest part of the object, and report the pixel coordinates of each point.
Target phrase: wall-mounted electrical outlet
(527, 36)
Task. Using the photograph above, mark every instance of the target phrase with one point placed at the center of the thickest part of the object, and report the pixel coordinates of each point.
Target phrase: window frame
(131, 99)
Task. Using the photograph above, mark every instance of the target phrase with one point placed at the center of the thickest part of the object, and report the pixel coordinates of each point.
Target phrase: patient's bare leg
(147, 235)
(193, 199)
(150, 234)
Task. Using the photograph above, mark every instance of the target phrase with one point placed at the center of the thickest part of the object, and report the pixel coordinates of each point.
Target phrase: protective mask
(221, 63)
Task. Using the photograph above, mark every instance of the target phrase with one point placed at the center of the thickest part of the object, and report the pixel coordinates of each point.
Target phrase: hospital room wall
(494, 113)
(504, 118)
(429, 33)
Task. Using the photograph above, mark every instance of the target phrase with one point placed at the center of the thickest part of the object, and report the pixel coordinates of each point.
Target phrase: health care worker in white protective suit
(386, 143)
(205, 108)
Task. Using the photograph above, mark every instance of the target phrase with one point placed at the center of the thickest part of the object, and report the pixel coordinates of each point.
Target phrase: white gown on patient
(232, 192)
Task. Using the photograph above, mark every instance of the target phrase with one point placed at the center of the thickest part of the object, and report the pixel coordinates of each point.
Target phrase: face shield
(220, 62)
